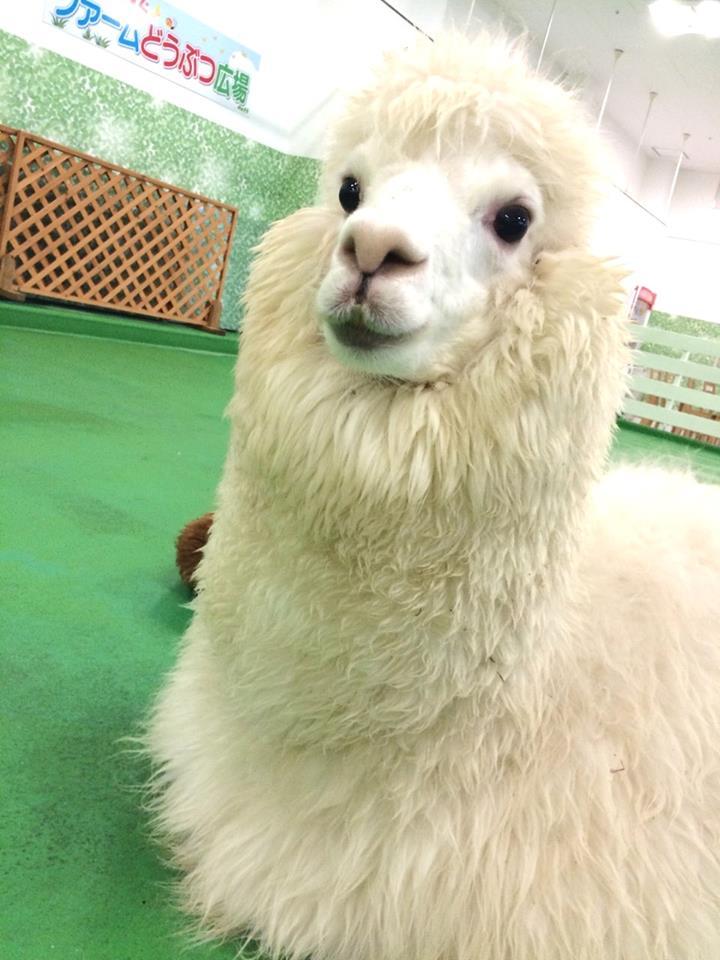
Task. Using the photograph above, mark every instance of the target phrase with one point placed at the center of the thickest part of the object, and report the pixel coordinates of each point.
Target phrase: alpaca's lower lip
(362, 337)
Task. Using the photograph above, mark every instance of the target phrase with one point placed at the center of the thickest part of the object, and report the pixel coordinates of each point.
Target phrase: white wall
(687, 278)
(325, 49)
(626, 230)
(695, 194)
(682, 265)
(654, 189)
(628, 166)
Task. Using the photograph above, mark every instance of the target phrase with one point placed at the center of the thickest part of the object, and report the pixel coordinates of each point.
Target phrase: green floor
(108, 447)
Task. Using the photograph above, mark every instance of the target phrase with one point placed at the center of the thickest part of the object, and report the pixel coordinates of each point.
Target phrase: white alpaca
(446, 695)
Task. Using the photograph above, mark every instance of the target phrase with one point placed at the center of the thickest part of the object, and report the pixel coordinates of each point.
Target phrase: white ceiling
(685, 71)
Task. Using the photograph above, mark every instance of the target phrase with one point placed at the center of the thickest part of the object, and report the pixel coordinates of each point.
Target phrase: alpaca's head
(449, 176)
(433, 324)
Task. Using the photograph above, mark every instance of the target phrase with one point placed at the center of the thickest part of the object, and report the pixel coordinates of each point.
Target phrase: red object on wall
(647, 296)
(642, 303)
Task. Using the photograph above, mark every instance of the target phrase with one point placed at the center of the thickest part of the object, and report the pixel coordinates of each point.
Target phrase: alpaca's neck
(398, 617)
(423, 541)
(412, 490)
(450, 571)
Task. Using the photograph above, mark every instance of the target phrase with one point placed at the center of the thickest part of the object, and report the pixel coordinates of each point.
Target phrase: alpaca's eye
(511, 223)
(349, 195)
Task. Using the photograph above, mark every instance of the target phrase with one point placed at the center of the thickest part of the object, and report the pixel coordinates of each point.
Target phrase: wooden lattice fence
(79, 229)
(7, 150)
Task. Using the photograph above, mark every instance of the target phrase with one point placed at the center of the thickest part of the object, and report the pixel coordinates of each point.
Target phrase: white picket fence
(675, 394)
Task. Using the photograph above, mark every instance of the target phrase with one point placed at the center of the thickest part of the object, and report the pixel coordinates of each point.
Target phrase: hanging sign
(165, 40)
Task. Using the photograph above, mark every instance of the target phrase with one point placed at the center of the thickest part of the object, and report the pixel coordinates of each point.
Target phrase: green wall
(61, 99)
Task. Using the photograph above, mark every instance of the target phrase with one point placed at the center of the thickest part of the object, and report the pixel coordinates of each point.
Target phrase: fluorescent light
(674, 18)
(671, 18)
(708, 15)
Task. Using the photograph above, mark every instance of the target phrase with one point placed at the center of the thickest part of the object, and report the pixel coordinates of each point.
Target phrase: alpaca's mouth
(362, 337)
(353, 330)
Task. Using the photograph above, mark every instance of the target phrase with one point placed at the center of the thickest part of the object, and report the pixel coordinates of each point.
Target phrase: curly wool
(448, 693)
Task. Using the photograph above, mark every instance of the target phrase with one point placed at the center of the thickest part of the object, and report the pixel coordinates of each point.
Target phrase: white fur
(447, 694)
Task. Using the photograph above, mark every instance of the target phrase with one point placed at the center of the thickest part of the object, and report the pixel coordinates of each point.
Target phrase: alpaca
(449, 692)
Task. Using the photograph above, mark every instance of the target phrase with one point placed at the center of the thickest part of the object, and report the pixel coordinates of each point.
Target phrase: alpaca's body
(443, 697)
(581, 825)
(583, 838)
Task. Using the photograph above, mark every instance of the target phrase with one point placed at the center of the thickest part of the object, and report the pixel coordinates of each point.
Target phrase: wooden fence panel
(79, 229)
(675, 393)
(8, 137)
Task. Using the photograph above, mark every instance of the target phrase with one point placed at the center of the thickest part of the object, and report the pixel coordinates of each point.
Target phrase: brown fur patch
(189, 546)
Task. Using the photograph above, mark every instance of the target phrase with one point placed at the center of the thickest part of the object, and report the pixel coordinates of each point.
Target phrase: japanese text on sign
(165, 40)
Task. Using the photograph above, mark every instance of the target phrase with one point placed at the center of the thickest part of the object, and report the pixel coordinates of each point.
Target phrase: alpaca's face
(424, 243)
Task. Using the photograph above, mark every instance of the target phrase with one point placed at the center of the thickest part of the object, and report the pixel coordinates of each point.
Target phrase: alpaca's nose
(371, 246)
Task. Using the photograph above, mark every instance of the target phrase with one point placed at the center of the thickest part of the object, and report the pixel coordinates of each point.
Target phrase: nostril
(396, 258)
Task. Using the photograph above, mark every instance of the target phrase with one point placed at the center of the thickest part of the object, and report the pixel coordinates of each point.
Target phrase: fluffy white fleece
(447, 694)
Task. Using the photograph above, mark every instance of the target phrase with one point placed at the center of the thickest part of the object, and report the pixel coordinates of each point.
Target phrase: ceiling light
(676, 17)
(708, 15)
